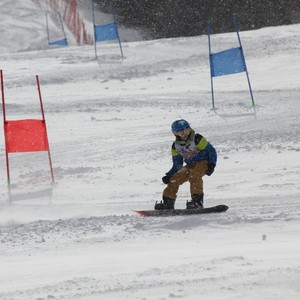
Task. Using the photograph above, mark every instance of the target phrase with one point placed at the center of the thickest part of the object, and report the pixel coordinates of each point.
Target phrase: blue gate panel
(106, 32)
(62, 42)
(227, 62)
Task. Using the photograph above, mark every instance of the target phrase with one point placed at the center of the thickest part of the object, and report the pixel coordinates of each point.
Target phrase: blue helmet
(179, 125)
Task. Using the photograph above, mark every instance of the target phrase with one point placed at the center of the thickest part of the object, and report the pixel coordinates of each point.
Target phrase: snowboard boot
(167, 203)
(196, 202)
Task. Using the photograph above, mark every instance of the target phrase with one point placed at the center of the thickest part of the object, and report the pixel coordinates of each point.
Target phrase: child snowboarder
(200, 158)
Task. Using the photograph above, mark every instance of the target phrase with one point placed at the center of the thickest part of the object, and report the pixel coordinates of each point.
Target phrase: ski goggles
(183, 131)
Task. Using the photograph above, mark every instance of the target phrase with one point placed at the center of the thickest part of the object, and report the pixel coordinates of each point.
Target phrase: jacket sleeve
(177, 161)
(203, 145)
(212, 154)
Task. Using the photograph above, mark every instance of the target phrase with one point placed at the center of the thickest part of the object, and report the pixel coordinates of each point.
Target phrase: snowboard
(182, 212)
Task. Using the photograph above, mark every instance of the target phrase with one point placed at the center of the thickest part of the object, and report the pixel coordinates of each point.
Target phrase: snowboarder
(200, 158)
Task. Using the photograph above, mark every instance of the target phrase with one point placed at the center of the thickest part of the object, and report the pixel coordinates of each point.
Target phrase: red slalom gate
(29, 135)
(68, 9)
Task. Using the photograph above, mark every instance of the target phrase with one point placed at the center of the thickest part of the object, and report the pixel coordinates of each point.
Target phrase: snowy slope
(23, 26)
(109, 131)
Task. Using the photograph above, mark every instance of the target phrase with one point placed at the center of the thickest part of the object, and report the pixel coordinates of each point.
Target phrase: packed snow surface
(109, 131)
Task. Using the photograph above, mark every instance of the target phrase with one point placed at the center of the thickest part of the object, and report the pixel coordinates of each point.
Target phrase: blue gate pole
(242, 52)
(95, 42)
(116, 25)
(48, 34)
(62, 27)
(211, 65)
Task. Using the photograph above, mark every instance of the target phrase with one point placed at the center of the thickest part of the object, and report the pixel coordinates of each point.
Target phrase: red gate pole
(4, 125)
(43, 116)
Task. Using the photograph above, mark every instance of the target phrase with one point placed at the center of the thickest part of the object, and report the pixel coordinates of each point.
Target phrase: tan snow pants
(192, 173)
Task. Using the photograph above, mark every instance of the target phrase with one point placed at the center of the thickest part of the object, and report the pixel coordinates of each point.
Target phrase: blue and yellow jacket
(195, 149)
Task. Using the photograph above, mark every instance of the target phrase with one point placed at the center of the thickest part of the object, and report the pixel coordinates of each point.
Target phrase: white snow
(109, 131)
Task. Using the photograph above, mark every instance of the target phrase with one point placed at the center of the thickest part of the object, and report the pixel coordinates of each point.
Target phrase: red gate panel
(26, 136)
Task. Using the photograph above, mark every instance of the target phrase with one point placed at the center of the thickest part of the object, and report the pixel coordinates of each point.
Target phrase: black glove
(166, 179)
(210, 169)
